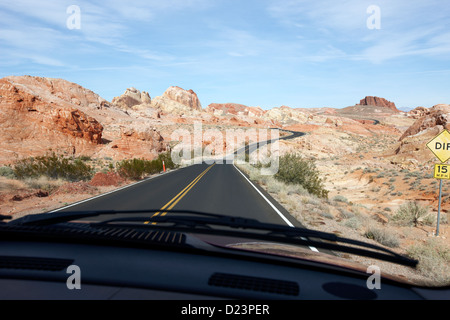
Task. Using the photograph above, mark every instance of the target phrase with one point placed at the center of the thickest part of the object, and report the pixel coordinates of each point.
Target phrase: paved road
(215, 188)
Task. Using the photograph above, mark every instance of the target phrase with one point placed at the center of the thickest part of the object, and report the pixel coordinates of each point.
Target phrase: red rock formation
(77, 124)
(439, 115)
(57, 91)
(418, 112)
(36, 118)
(41, 115)
(236, 109)
(378, 102)
(411, 149)
(33, 117)
(133, 143)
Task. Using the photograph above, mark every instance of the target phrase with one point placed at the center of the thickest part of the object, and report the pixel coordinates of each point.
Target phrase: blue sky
(265, 53)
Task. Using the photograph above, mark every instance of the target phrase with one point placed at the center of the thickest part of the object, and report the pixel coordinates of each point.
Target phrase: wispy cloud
(40, 27)
(419, 42)
(341, 16)
(237, 42)
(342, 25)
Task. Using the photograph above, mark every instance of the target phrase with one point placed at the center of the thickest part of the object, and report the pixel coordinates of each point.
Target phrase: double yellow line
(172, 203)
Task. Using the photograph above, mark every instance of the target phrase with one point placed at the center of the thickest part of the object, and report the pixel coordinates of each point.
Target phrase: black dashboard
(43, 270)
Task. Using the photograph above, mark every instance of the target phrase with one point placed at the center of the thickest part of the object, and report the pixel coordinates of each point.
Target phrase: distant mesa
(378, 102)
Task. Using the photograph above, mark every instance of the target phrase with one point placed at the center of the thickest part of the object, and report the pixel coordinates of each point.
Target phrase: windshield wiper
(273, 232)
(3, 217)
(50, 218)
(207, 220)
(201, 222)
(195, 220)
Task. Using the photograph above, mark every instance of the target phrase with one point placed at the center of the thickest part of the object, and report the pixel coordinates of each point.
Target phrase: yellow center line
(169, 205)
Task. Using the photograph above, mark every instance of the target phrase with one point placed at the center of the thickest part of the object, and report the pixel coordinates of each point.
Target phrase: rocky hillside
(411, 149)
(41, 115)
(38, 115)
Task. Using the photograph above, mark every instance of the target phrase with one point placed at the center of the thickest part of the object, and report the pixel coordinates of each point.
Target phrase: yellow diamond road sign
(440, 146)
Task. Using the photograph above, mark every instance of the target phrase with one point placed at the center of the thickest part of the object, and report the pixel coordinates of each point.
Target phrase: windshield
(319, 116)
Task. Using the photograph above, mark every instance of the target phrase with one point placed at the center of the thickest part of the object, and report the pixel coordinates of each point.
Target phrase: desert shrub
(7, 172)
(353, 223)
(340, 198)
(275, 187)
(166, 157)
(409, 214)
(431, 219)
(44, 183)
(434, 260)
(132, 168)
(294, 169)
(54, 167)
(382, 236)
(345, 214)
(323, 213)
(135, 169)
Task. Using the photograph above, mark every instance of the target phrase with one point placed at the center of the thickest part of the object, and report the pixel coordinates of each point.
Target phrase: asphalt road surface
(211, 188)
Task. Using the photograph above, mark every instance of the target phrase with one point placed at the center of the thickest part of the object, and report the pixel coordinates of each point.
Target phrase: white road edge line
(272, 205)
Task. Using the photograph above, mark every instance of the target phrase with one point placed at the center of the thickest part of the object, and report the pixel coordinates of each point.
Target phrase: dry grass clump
(383, 236)
(44, 183)
(434, 259)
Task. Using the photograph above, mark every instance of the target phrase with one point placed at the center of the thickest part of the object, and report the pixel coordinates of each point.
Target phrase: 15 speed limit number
(442, 171)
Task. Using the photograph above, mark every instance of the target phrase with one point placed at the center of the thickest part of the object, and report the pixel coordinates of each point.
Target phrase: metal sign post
(439, 208)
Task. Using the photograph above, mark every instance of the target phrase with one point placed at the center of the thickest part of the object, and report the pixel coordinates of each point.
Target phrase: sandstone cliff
(178, 101)
(132, 97)
(31, 123)
(41, 115)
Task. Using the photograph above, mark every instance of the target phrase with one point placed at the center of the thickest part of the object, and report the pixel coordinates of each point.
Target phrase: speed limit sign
(442, 171)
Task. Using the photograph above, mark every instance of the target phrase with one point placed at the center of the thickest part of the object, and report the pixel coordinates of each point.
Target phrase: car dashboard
(183, 268)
